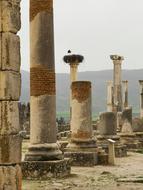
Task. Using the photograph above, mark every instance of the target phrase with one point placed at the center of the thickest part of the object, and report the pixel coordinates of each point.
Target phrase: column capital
(116, 57)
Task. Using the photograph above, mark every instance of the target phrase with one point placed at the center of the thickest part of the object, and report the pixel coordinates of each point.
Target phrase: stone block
(82, 158)
(10, 52)
(9, 114)
(10, 16)
(10, 85)
(46, 169)
(10, 177)
(10, 149)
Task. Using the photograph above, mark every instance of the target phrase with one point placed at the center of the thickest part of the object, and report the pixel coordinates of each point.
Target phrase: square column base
(82, 158)
(46, 169)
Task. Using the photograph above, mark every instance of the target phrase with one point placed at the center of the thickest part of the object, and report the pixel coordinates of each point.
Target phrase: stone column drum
(43, 142)
(10, 89)
(108, 130)
(110, 100)
(125, 93)
(82, 148)
(141, 98)
(117, 61)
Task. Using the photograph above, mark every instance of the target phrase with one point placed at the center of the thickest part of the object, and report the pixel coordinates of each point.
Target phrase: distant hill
(98, 79)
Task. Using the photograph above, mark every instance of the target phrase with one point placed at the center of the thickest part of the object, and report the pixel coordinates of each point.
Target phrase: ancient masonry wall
(10, 85)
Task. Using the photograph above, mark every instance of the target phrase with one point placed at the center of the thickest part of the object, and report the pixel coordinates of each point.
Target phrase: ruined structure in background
(24, 114)
(82, 147)
(125, 93)
(108, 130)
(117, 85)
(110, 99)
(141, 98)
(10, 89)
(44, 158)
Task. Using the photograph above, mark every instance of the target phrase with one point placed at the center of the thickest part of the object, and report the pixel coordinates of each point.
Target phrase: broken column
(82, 148)
(110, 101)
(141, 98)
(117, 61)
(108, 130)
(44, 158)
(125, 93)
(10, 88)
(127, 135)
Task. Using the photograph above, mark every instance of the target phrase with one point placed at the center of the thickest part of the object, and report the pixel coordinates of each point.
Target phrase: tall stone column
(43, 140)
(10, 88)
(125, 93)
(73, 60)
(141, 98)
(82, 148)
(117, 61)
(110, 96)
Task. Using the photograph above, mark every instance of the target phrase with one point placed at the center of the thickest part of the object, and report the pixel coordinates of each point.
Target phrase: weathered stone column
(108, 130)
(117, 61)
(73, 60)
(10, 88)
(43, 140)
(141, 98)
(110, 100)
(82, 148)
(125, 93)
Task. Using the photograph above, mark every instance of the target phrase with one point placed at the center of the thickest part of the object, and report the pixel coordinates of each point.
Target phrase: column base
(82, 153)
(120, 149)
(46, 169)
(44, 152)
(10, 177)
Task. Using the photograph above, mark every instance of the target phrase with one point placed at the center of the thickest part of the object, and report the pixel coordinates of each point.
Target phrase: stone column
(82, 147)
(125, 93)
(73, 60)
(110, 101)
(141, 98)
(43, 140)
(10, 88)
(117, 61)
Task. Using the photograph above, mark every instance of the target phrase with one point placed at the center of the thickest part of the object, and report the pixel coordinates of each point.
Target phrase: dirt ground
(126, 175)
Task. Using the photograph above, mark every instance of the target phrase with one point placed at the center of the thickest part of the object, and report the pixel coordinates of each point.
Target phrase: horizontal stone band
(37, 6)
(42, 81)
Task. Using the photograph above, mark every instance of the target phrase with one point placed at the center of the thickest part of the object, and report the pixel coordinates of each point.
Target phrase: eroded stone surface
(10, 16)
(10, 149)
(10, 85)
(9, 114)
(10, 178)
(46, 169)
(10, 52)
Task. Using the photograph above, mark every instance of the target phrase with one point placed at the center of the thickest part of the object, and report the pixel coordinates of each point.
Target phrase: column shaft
(43, 139)
(141, 98)
(125, 94)
(110, 96)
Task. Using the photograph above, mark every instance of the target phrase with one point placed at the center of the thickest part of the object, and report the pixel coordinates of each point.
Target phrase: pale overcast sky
(95, 29)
